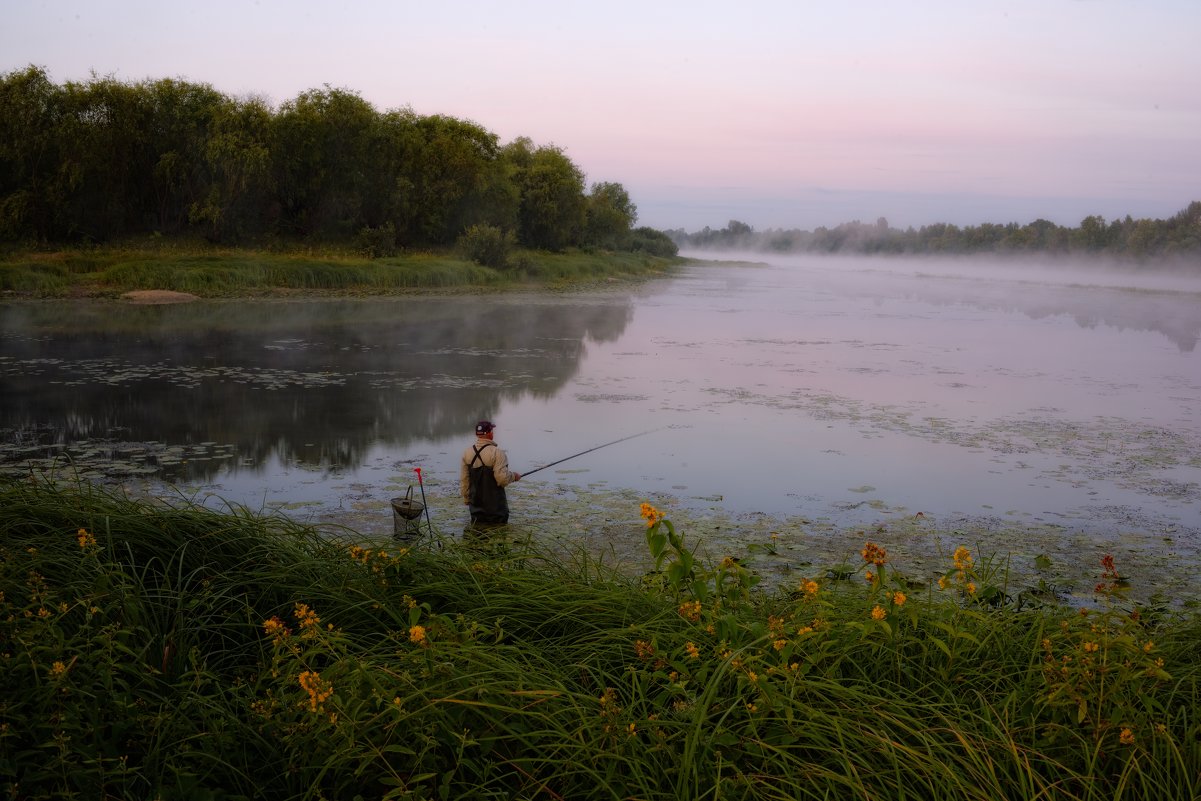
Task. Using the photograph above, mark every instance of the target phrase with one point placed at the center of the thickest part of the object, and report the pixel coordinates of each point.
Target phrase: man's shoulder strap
(479, 449)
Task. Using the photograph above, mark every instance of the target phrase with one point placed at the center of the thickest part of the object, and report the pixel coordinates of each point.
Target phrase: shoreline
(112, 273)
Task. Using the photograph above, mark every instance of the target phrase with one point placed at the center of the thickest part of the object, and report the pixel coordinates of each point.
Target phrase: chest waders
(488, 503)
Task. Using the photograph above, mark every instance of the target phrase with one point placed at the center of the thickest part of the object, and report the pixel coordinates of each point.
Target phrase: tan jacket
(492, 457)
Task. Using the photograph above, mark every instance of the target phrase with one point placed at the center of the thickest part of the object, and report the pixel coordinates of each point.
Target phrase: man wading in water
(483, 475)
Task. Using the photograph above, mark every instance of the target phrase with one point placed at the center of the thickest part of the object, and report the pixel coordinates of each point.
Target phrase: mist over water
(842, 389)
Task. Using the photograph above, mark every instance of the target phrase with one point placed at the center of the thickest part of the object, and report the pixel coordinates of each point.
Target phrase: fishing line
(598, 447)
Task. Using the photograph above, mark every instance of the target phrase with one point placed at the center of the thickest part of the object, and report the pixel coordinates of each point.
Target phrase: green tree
(321, 147)
(609, 216)
(552, 207)
(179, 117)
(456, 180)
(30, 114)
(1092, 234)
(388, 192)
(238, 158)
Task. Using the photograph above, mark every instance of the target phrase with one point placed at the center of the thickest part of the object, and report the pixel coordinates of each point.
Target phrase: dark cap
(483, 427)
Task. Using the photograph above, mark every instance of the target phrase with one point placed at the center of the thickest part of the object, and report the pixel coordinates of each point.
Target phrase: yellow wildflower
(418, 636)
(899, 598)
(803, 630)
(306, 617)
(869, 576)
(58, 669)
(971, 588)
(962, 558)
(729, 563)
(691, 610)
(319, 689)
(643, 649)
(275, 629)
(693, 651)
(1148, 647)
(779, 644)
(85, 538)
(942, 582)
(651, 514)
(1126, 737)
(632, 730)
(878, 612)
(1091, 647)
(873, 554)
(811, 587)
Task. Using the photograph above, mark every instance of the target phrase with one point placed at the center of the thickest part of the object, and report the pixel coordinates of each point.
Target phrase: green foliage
(1180, 235)
(487, 245)
(656, 243)
(104, 160)
(160, 651)
(609, 216)
(553, 207)
(238, 158)
(377, 242)
(208, 272)
(34, 279)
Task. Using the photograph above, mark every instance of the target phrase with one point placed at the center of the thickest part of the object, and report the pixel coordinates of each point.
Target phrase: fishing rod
(590, 450)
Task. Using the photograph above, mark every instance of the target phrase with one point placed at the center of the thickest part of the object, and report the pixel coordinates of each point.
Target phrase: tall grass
(210, 273)
(238, 273)
(150, 650)
(37, 280)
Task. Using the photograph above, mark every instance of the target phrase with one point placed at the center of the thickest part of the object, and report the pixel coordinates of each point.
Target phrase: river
(781, 392)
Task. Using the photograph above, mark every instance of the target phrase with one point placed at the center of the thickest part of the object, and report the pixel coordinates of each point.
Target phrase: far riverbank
(110, 272)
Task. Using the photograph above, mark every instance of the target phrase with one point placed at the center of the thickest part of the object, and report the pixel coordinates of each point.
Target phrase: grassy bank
(208, 272)
(179, 652)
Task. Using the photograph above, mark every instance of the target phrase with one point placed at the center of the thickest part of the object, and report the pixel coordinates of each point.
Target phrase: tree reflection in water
(310, 381)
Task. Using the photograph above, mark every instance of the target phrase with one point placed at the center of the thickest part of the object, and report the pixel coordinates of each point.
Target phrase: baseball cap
(483, 427)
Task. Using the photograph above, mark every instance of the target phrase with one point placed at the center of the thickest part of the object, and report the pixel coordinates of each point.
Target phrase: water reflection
(317, 382)
(1132, 299)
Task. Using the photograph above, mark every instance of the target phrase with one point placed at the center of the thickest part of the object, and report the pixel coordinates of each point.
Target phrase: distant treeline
(104, 160)
(1179, 235)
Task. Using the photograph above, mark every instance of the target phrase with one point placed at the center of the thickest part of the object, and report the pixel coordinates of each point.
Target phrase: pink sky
(778, 114)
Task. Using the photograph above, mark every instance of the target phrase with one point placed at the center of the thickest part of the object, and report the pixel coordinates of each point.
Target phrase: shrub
(487, 245)
(654, 242)
(378, 242)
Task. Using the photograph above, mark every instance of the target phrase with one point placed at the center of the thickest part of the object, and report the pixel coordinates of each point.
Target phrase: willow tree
(30, 192)
(321, 155)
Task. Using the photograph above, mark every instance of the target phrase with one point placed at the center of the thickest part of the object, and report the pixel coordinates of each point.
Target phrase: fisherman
(483, 475)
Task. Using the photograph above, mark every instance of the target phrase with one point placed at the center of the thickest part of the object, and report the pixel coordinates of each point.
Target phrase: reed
(151, 649)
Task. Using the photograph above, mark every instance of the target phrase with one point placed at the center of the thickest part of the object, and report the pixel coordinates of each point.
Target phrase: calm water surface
(825, 389)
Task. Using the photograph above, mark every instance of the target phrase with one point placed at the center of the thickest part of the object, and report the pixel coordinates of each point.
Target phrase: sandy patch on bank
(158, 296)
